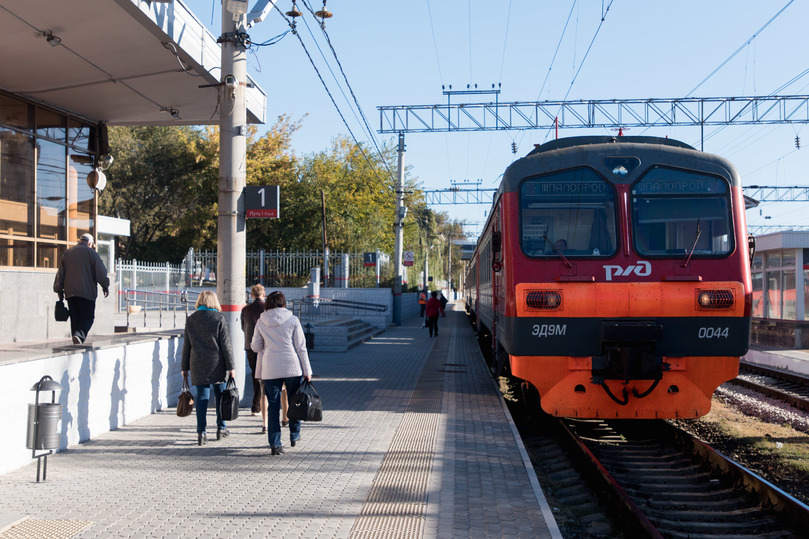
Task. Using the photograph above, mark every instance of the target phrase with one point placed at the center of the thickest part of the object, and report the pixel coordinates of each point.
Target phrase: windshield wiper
(557, 251)
(697, 234)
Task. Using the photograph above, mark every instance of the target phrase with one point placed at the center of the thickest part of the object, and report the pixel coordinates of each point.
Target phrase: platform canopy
(119, 62)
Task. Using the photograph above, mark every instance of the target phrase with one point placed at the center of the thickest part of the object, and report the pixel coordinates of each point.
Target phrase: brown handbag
(185, 402)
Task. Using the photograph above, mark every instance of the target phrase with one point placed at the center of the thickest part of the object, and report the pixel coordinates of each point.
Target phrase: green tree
(160, 181)
(359, 202)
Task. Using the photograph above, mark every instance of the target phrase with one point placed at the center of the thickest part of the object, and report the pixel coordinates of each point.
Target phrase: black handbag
(185, 402)
(60, 312)
(229, 403)
(306, 404)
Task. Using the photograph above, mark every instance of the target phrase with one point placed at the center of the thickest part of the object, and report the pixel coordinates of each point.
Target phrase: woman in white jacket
(282, 359)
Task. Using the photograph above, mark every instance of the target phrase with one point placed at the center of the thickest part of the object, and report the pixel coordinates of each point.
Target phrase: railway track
(668, 484)
(787, 386)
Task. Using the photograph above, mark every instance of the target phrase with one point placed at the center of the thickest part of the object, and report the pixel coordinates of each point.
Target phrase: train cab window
(675, 211)
(570, 212)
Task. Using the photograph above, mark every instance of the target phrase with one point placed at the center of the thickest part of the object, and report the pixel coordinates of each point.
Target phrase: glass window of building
(758, 286)
(45, 202)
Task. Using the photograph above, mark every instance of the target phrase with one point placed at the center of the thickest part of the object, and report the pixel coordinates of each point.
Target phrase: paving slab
(415, 442)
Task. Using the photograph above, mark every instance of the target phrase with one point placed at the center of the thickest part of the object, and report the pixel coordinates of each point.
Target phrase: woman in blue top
(208, 355)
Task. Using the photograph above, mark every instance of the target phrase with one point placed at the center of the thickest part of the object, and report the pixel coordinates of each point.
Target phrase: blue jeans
(203, 396)
(272, 388)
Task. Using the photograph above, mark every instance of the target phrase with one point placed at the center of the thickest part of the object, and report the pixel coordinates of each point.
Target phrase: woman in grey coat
(208, 355)
(282, 360)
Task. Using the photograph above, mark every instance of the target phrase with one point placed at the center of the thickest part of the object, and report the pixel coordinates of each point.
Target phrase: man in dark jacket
(80, 272)
(250, 315)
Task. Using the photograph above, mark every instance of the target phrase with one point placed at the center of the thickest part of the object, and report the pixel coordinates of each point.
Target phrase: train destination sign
(262, 201)
(677, 182)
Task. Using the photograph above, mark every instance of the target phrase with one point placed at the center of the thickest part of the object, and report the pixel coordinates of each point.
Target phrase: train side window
(572, 208)
(676, 211)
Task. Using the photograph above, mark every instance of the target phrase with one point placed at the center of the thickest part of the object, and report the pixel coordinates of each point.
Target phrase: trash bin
(44, 424)
(50, 419)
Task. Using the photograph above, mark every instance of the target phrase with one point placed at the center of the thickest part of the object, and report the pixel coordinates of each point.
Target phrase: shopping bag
(185, 402)
(60, 311)
(229, 404)
(305, 404)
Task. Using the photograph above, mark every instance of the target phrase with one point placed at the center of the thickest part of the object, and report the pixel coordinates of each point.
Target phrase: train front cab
(648, 323)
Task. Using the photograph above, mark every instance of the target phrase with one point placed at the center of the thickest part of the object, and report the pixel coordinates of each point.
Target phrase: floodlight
(259, 11)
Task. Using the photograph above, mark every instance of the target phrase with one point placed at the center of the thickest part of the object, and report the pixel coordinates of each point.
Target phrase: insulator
(797, 142)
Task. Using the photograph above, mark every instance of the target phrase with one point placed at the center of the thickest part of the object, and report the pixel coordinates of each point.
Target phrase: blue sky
(401, 53)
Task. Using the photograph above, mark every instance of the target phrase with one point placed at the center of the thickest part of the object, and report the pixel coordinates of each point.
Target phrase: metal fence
(154, 277)
(270, 268)
(292, 269)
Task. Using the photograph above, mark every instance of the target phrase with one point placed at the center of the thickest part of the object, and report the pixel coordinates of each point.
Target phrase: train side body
(613, 275)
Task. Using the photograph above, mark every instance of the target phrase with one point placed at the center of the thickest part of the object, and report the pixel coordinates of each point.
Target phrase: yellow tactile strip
(45, 529)
(396, 505)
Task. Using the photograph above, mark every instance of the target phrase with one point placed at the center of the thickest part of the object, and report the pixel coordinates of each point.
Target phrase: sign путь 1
(262, 201)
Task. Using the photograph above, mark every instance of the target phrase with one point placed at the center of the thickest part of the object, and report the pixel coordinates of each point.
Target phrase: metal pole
(231, 236)
(325, 241)
(397, 284)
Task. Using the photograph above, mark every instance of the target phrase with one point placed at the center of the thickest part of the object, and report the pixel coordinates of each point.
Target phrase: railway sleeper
(726, 529)
(687, 503)
(751, 514)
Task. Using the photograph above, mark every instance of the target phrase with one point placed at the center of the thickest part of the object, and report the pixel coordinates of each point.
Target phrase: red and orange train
(613, 275)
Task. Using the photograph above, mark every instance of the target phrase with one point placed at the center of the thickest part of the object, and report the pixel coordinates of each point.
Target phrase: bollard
(43, 424)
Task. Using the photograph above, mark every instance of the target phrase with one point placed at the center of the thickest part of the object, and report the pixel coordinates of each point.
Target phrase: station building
(71, 69)
(780, 273)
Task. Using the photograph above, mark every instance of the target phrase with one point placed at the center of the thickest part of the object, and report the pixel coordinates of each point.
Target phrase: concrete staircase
(340, 334)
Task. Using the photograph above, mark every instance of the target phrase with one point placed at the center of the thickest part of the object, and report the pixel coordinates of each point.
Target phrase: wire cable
(351, 91)
(331, 97)
(737, 51)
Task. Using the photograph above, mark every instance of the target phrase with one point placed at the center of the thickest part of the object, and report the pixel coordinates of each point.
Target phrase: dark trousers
(252, 358)
(82, 316)
(273, 390)
(432, 325)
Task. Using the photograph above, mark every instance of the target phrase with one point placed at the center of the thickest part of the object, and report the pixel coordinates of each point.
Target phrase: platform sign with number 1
(262, 201)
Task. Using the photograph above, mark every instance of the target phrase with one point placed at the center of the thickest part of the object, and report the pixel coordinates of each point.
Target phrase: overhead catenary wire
(351, 91)
(331, 97)
(741, 47)
(604, 13)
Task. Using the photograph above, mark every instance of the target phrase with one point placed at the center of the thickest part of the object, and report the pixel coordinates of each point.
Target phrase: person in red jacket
(433, 311)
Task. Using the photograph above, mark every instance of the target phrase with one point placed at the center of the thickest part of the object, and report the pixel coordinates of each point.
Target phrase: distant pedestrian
(422, 303)
(208, 355)
(80, 272)
(282, 360)
(250, 315)
(433, 311)
(444, 302)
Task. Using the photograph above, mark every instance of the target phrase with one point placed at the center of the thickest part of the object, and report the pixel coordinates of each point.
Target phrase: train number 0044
(713, 333)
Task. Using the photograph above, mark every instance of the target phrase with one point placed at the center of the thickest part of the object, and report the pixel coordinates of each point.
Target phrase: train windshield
(680, 212)
(570, 213)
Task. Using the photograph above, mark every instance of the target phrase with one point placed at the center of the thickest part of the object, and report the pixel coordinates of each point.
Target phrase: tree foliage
(162, 182)
(165, 181)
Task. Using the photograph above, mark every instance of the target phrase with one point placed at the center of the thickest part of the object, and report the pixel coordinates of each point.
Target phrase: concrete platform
(415, 442)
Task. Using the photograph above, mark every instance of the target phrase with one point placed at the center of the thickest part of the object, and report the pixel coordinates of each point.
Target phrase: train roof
(592, 150)
(605, 139)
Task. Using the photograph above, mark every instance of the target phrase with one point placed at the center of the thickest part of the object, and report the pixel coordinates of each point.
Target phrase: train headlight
(546, 300)
(715, 299)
